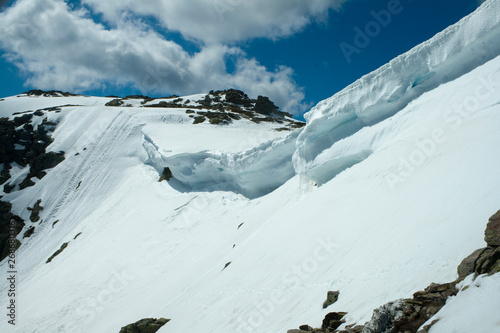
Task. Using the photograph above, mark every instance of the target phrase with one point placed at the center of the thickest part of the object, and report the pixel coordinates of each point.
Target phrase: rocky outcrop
(58, 252)
(148, 325)
(492, 233)
(221, 107)
(35, 211)
(51, 93)
(409, 315)
(25, 145)
(331, 297)
(166, 174)
(10, 226)
(485, 260)
(115, 102)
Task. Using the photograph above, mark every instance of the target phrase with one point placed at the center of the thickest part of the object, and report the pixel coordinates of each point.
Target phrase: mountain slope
(377, 211)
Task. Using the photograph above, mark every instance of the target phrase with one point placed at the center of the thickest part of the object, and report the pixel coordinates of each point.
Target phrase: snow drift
(386, 91)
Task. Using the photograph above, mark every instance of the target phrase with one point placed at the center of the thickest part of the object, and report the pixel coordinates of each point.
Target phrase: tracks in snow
(96, 156)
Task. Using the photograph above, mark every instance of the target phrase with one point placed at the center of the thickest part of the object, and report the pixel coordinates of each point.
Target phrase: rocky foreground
(410, 314)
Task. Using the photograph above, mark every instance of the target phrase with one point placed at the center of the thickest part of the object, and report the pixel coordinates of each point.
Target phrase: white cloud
(223, 20)
(60, 48)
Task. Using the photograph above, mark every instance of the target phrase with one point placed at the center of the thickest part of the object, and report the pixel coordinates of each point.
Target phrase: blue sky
(291, 50)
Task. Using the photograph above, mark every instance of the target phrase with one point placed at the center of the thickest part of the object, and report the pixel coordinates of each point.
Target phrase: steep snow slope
(415, 202)
(147, 250)
(384, 92)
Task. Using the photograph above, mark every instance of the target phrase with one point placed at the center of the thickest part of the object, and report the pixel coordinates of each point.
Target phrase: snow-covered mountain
(387, 188)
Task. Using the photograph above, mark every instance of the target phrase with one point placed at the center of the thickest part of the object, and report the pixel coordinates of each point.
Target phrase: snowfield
(257, 225)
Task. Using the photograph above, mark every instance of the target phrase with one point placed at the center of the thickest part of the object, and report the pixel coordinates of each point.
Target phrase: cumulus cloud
(62, 48)
(223, 20)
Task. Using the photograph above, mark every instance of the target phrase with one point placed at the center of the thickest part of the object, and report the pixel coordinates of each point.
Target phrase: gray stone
(492, 232)
(468, 265)
(331, 297)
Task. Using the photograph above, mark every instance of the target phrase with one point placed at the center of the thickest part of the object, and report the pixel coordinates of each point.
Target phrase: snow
(374, 209)
(472, 310)
(386, 91)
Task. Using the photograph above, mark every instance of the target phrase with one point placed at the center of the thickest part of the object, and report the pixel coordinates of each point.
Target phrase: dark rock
(138, 97)
(45, 161)
(58, 252)
(199, 119)
(333, 320)
(206, 102)
(27, 182)
(488, 261)
(266, 107)
(352, 329)
(468, 265)
(237, 97)
(166, 174)
(115, 102)
(18, 121)
(331, 297)
(35, 211)
(306, 328)
(28, 233)
(10, 226)
(148, 325)
(50, 93)
(492, 233)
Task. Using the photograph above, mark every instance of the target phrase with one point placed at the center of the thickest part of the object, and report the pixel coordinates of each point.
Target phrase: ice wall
(252, 173)
(453, 52)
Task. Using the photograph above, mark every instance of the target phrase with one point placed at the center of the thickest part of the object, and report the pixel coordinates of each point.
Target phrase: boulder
(333, 320)
(148, 325)
(166, 175)
(331, 297)
(266, 107)
(492, 232)
(468, 265)
(115, 102)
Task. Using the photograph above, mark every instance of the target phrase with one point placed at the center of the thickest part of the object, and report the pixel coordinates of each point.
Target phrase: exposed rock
(492, 232)
(468, 265)
(424, 305)
(237, 97)
(306, 328)
(166, 174)
(28, 233)
(148, 325)
(199, 119)
(21, 143)
(331, 297)
(51, 93)
(35, 211)
(384, 317)
(333, 320)
(115, 102)
(10, 226)
(266, 107)
(352, 329)
(58, 252)
(488, 261)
